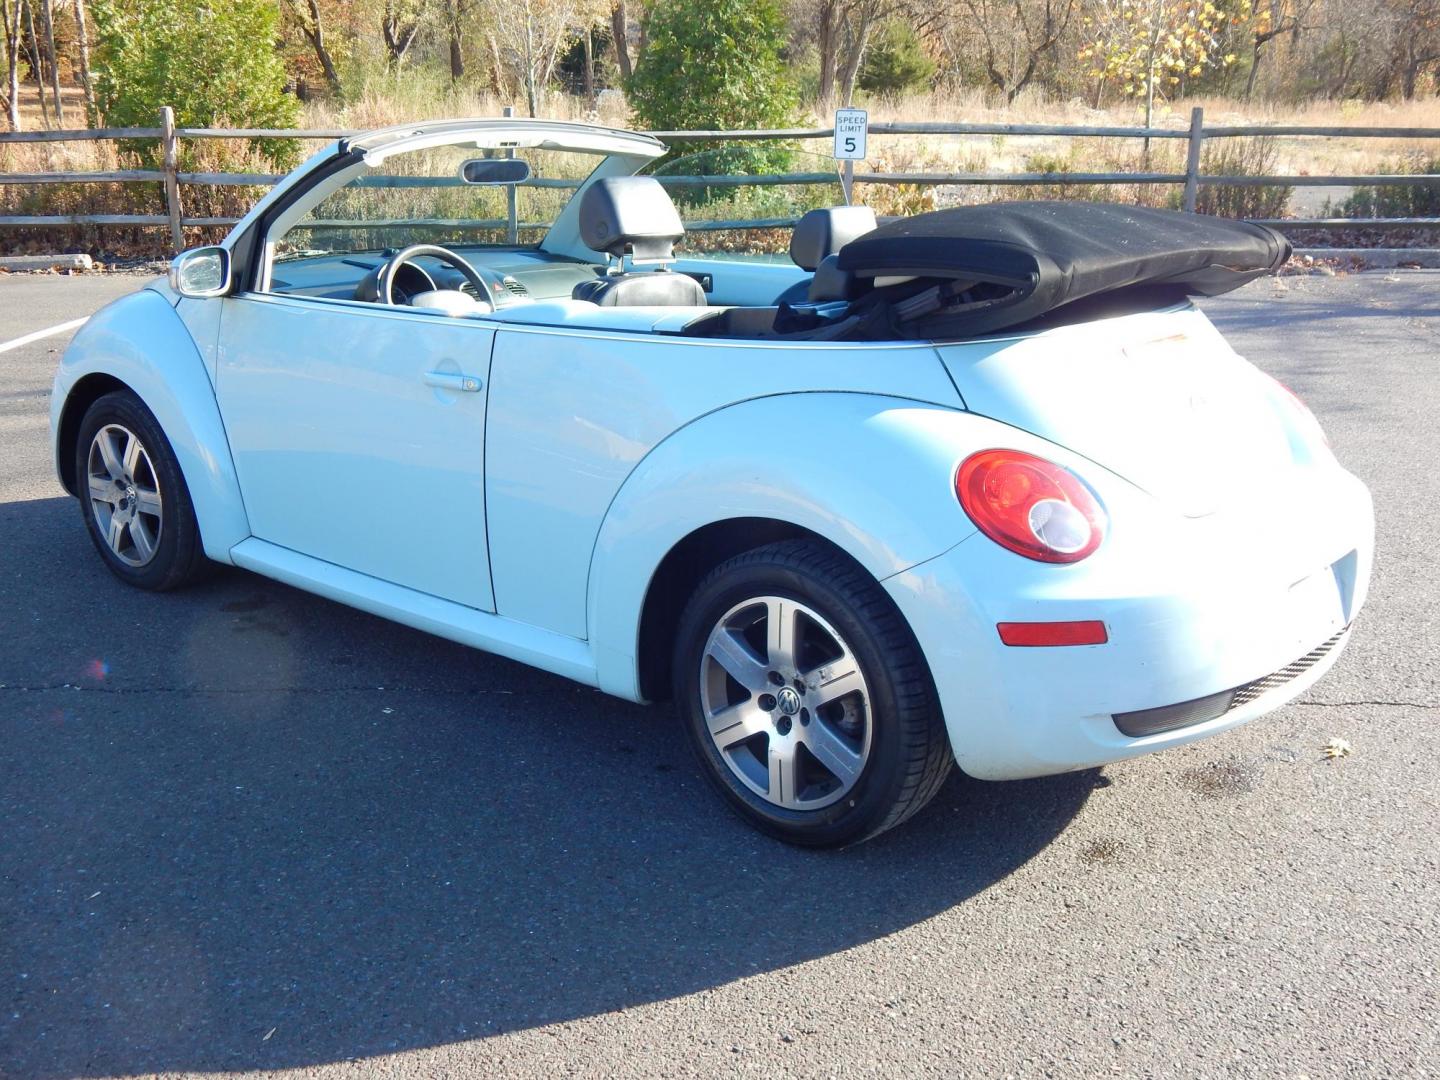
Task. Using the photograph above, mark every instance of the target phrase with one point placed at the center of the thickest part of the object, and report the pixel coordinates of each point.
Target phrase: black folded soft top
(979, 269)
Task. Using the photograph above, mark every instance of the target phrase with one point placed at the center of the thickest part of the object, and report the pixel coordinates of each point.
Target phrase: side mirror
(201, 272)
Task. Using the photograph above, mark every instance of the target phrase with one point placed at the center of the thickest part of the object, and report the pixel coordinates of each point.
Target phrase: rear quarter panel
(876, 479)
(572, 414)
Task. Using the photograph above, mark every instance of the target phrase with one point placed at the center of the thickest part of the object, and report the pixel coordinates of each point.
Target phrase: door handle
(447, 380)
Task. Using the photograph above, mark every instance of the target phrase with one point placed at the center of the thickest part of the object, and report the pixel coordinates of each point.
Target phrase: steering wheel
(385, 282)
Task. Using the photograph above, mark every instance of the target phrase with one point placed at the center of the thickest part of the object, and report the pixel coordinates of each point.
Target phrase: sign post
(851, 128)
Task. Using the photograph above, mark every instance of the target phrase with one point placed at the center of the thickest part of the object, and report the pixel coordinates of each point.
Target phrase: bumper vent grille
(1252, 690)
(1187, 713)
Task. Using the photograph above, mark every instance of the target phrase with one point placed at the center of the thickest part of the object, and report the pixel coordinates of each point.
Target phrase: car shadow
(247, 828)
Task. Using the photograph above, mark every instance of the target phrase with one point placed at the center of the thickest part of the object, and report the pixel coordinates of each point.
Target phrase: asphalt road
(243, 828)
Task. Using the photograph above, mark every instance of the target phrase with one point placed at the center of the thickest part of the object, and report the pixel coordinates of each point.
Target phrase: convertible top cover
(978, 269)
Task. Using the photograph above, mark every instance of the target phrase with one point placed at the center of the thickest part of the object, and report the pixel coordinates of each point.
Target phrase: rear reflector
(1053, 633)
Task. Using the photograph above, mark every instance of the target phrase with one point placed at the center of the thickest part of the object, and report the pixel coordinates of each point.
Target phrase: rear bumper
(1194, 609)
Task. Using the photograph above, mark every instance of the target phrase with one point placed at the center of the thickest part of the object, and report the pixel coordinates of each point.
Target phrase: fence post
(1192, 158)
(171, 152)
(512, 201)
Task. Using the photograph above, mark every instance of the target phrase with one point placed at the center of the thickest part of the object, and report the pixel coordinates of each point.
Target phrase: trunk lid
(1158, 398)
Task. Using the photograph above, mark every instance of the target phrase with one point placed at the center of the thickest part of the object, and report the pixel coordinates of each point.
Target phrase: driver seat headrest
(630, 215)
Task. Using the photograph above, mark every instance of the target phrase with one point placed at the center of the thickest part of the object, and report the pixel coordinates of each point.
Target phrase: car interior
(606, 254)
(633, 222)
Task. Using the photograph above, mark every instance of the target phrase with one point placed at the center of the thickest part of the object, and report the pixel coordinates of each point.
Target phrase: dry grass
(1307, 155)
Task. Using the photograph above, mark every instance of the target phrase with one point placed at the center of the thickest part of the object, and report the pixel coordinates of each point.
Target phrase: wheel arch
(873, 481)
(680, 571)
(88, 390)
(140, 344)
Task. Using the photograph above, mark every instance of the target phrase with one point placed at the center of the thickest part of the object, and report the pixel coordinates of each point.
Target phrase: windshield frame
(619, 153)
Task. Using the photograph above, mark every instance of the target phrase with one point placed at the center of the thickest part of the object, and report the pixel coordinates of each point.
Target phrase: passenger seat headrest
(630, 215)
(824, 232)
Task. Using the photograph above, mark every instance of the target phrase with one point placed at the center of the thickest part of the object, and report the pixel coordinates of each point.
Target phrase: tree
(1272, 18)
(842, 30)
(620, 32)
(311, 20)
(455, 15)
(526, 38)
(10, 16)
(585, 67)
(212, 60)
(1417, 45)
(1148, 46)
(1015, 36)
(47, 20)
(896, 62)
(37, 70)
(82, 49)
(400, 23)
(717, 65)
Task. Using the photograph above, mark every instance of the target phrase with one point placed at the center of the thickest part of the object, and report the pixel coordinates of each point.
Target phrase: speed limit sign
(851, 126)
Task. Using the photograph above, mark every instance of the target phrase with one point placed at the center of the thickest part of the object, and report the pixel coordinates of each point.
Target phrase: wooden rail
(172, 180)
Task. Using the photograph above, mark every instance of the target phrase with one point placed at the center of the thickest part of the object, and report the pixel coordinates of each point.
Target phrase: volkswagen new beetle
(978, 486)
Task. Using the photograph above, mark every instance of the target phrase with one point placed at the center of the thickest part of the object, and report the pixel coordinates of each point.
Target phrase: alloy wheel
(124, 494)
(786, 703)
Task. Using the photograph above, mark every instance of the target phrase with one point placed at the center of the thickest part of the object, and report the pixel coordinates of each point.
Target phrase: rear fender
(140, 341)
(873, 475)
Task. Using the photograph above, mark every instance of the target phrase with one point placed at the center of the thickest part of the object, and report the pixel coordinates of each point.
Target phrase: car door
(358, 434)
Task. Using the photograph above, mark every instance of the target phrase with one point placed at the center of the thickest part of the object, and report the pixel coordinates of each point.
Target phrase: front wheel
(806, 696)
(133, 496)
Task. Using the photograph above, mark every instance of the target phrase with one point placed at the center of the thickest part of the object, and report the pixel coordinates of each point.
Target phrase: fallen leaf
(1336, 748)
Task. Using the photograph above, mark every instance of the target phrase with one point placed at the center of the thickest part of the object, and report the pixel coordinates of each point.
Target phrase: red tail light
(1030, 506)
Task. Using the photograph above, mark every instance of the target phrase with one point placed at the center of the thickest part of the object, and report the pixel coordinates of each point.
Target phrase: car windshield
(421, 197)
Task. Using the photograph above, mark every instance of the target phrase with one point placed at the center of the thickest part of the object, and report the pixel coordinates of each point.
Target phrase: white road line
(38, 334)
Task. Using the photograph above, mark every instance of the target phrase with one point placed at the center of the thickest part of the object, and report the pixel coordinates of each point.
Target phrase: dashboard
(514, 275)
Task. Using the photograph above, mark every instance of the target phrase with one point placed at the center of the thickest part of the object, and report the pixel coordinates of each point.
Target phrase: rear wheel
(806, 696)
(133, 496)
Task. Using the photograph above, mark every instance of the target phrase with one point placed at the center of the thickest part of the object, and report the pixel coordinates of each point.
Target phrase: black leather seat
(632, 215)
(818, 237)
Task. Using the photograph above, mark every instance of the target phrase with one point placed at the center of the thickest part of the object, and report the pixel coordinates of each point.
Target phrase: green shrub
(714, 65)
(1240, 157)
(896, 62)
(214, 61)
(739, 159)
(1396, 200)
(1100, 155)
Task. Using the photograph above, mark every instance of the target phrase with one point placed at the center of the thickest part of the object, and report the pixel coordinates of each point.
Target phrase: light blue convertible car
(979, 486)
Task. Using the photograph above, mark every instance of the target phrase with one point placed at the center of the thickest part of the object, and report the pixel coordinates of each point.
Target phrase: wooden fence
(1192, 179)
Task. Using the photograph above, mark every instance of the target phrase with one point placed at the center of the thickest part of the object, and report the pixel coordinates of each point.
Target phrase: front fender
(873, 475)
(141, 341)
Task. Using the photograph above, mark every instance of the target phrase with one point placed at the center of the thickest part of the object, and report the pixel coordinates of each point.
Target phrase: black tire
(176, 557)
(908, 750)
